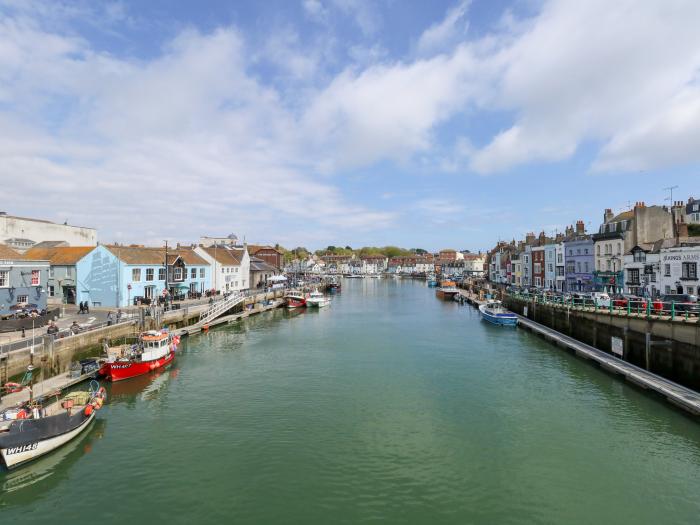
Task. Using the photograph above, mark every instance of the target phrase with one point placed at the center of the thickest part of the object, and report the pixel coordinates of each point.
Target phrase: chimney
(608, 215)
(530, 238)
(542, 238)
(580, 227)
(681, 229)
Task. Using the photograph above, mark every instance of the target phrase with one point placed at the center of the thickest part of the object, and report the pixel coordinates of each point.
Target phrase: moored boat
(154, 349)
(39, 427)
(295, 299)
(493, 312)
(317, 299)
(447, 290)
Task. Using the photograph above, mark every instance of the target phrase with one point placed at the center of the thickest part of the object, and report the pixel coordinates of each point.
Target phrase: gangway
(220, 307)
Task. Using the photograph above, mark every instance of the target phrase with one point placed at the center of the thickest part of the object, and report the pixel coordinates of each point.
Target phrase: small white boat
(494, 313)
(317, 299)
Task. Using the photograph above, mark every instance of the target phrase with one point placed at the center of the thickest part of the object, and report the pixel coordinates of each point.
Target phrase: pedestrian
(75, 328)
(109, 318)
(119, 315)
(87, 307)
(24, 334)
(52, 329)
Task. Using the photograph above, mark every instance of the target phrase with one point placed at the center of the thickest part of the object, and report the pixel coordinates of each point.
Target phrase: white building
(231, 240)
(21, 233)
(642, 270)
(230, 267)
(679, 269)
(560, 278)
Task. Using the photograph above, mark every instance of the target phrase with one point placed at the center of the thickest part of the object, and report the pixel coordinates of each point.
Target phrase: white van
(601, 299)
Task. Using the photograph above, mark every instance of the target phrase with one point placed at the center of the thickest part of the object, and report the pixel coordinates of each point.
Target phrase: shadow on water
(47, 472)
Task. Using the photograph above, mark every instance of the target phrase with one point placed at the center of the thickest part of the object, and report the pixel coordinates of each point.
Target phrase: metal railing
(644, 307)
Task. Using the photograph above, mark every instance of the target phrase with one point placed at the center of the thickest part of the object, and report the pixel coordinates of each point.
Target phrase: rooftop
(58, 255)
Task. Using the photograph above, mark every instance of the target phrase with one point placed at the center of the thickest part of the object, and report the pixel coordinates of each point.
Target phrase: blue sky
(315, 122)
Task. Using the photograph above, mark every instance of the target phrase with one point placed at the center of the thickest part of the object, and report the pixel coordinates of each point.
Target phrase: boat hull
(118, 371)
(500, 319)
(318, 304)
(296, 303)
(32, 446)
(446, 294)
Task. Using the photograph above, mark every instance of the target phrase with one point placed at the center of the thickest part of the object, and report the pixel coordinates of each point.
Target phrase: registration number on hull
(23, 448)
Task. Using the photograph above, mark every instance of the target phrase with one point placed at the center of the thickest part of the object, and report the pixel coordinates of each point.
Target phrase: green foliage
(694, 230)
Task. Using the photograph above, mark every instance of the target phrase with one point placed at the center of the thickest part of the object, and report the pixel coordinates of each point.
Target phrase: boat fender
(88, 410)
(22, 414)
(102, 393)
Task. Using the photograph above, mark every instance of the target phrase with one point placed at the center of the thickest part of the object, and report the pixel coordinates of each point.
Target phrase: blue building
(22, 282)
(579, 261)
(120, 276)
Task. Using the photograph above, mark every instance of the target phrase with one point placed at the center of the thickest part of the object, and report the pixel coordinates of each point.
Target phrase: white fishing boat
(317, 299)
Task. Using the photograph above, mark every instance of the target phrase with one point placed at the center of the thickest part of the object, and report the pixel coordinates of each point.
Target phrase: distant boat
(334, 287)
(447, 290)
(432, 280)
(493, 312)
(295, 299)
(317, 299)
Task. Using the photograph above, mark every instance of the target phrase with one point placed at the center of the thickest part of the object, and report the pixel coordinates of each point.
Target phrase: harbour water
(390, 406)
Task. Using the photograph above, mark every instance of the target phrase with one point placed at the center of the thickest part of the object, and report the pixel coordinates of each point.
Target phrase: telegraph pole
(166, 265)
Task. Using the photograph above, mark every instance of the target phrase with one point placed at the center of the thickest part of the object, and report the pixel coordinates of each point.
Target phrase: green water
(389, 406)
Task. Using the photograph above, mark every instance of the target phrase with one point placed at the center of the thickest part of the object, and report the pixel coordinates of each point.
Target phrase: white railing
(218, 308)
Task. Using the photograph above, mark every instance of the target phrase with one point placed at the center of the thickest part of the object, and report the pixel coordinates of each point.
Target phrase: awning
(180, 285)
(276, 278)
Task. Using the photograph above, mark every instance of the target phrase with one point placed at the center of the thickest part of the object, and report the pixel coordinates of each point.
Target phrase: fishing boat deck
(43, 389)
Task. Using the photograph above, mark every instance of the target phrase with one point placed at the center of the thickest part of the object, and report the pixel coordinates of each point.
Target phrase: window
(578, 251)
(690, 270)
(597, 248)
(178, 273)
(691, 290)
(22, 299)
(667, 271)
(4, 278)
(639, 256)
(136, 275)
(619, 248)
(633, 275)
(149, 274)
(51, 274)
(52, 291)
(585, 251)
(36, 277)
(578, 267)
(201, 273)
(161, 274)
(193, 273)
(667, 289)
(586, 265)
(608, 261)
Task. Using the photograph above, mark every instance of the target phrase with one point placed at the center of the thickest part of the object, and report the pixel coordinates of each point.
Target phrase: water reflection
(145, 387)
(48, 471)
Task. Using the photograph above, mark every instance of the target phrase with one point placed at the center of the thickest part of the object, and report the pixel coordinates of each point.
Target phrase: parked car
(601, 299)
(635, 302)
(682, 302)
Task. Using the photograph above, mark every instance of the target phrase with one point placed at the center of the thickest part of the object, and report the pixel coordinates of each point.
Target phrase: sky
(348, 122)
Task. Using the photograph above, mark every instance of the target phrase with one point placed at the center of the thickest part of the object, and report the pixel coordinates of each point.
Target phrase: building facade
(118, 276)
(23, 232)
(61, 286)
(22, 281)
(229, 267)
(579, 262)
(679, 270)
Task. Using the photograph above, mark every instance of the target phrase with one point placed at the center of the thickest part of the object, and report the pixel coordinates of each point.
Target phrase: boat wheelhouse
(494, 313)
(153, 350)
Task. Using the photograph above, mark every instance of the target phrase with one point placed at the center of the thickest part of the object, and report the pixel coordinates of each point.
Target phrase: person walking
(110, 318)
(87, 307)
(75, 328)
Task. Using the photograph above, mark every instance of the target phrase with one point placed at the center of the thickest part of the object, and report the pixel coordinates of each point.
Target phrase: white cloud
(591, 70)
(187, 134)
(365, 13)
(444, 35)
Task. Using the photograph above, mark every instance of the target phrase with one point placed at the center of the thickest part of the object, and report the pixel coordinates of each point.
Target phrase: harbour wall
(669, 348)
(56, 355)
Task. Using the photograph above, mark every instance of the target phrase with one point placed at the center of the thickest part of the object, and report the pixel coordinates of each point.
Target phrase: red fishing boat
(295, 299)
(154, 350)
